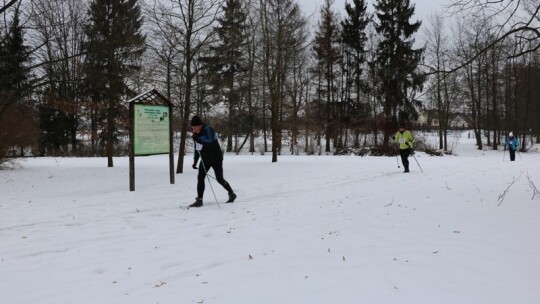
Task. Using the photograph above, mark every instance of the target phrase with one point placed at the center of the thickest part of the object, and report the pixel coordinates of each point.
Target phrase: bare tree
(297, 86)
(373, 82)
(6, 6)
(471, 39)
(282, 25)
(519, 19)
(521, 94)
(443, 88)
(189, 24)
(59, 31)
(250, 85)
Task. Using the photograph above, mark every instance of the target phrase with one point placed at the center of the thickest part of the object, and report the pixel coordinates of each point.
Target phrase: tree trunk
(110, 131)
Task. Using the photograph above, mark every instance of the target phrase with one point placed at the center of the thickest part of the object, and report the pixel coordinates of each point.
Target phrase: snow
(307, 229)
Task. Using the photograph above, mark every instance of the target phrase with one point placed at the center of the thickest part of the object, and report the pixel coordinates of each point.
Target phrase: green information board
(151, 129)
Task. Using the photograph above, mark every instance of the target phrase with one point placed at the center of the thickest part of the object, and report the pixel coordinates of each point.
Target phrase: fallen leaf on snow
(160, 284)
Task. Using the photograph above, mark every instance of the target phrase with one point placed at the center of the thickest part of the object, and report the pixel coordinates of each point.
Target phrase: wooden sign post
(150, 130)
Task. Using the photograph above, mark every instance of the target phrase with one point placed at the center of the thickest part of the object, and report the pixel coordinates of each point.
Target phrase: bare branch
(501, 197)
(518, 28)
(491, 45)
(8, 5)
(533, 187)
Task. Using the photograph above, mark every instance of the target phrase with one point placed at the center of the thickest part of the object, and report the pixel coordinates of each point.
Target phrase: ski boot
(232, 197)
(197, 203)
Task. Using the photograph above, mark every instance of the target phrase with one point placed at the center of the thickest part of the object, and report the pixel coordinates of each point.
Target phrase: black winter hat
(402, 125)
(196, 121)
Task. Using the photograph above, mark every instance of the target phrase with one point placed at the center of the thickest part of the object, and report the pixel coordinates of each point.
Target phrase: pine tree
(13, 57)
(114, 44)
(327, 53)
(17, 127)
(228, 63)
(397, 61)
(354, 38)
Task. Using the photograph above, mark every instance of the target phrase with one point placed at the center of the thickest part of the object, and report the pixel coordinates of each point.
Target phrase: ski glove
(194, 166)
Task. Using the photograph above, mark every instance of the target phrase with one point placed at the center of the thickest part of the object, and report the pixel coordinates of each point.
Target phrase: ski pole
(211, 176)
(206, 173)
(418, 163)
(397, 161)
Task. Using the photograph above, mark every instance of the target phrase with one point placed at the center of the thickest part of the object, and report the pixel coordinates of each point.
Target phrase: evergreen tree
(228, 63)
(354, 39)
(13, 57)
(397, 61)
(114, 44)
(17, 128)
(327, 53)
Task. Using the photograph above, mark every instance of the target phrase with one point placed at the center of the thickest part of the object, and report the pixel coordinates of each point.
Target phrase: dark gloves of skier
(194, 166)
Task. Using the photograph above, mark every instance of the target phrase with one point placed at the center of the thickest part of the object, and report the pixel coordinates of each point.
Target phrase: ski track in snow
(307, 229)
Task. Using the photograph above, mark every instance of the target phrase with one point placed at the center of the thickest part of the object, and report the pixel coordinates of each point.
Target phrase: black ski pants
(512, 154)
(218, 170)
(405, 158)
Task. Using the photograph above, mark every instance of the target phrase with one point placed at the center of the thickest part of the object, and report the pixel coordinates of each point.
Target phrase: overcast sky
(423, 7)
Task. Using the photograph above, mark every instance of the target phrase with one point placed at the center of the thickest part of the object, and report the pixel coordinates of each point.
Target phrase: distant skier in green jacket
(405, 140)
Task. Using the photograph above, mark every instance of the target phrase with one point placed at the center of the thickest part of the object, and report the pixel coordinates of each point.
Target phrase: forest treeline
(262, 69)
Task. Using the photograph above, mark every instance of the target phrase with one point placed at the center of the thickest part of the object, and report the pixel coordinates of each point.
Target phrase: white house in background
(430, 118)
(427, 119)
(459, 121)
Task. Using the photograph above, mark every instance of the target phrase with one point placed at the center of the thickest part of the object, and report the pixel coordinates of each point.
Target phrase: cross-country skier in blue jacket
(209, 152)
(511, 145)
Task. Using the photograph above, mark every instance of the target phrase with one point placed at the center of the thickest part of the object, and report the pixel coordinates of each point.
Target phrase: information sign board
(151, 129)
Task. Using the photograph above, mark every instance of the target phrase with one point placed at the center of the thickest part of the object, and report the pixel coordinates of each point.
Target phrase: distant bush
(18, 130)
(391, 150)
(421, 145)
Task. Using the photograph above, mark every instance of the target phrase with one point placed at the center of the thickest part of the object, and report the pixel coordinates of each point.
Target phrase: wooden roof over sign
(152, 97)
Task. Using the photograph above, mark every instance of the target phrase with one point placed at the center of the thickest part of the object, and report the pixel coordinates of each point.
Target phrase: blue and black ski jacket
(210, 152)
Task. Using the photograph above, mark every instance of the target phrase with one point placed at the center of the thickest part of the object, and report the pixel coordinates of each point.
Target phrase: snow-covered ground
(307, 229)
